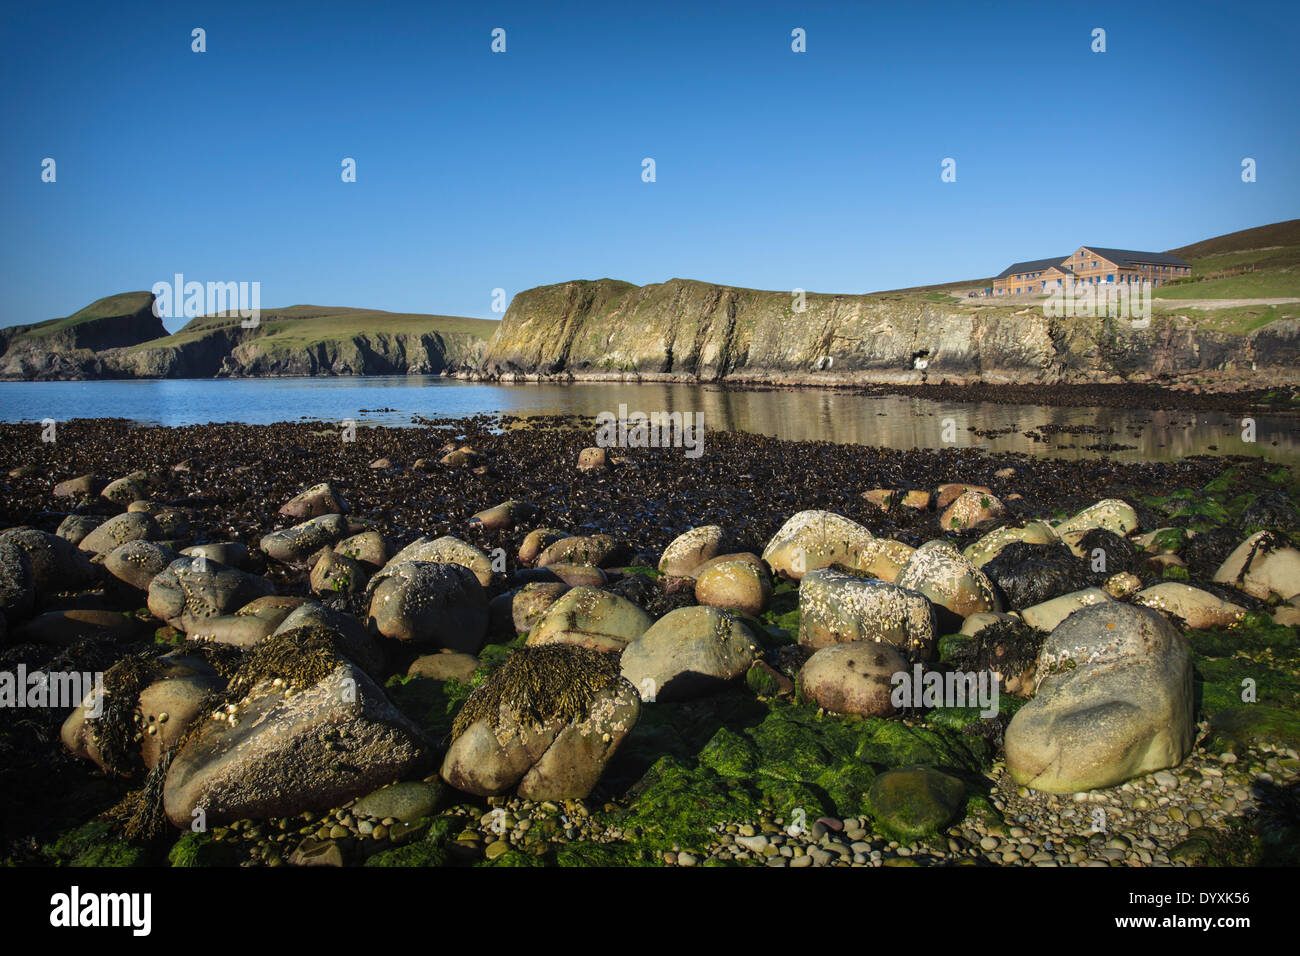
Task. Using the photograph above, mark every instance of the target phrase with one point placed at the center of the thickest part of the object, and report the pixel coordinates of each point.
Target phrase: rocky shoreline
(494, 644)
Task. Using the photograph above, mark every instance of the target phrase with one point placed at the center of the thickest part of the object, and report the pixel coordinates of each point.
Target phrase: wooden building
(1094, 265)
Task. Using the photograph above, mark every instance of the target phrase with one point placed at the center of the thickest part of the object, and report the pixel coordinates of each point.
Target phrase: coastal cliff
(683, 330)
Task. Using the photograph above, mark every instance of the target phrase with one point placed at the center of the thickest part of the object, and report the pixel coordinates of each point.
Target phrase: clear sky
(479, 170)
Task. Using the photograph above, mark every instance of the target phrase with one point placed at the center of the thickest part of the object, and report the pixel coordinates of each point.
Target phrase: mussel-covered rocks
(837, 605)
(687, 652)
(816, 539)
(1115, 701)
(448, 550)
(544, 724)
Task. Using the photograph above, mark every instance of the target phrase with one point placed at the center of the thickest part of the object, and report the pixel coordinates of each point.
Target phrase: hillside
(298, 340)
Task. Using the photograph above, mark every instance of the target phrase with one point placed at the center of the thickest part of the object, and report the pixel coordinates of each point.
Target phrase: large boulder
(250, 625)
(596, 550)
(990, 546)
(427, 603)
(941, 573)
(837, 606)
(591, 618)
(118, 530)
(736, 585)
(545, 724)
(137, 563)
(448, 550)
(190, 590)
(57, 565)
(692, 548)
(1115, 702)
(309, 731)
(817, 539)
(296, 544)
(1264, 564)
(853, 678)
(688, 652)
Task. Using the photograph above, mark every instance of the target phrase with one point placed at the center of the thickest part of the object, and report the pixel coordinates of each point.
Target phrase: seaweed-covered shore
(751, 771)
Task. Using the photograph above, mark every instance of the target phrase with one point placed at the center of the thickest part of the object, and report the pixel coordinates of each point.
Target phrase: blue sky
(476, 171)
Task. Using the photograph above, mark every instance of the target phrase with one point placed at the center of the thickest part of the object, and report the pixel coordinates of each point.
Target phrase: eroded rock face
(189, 591)
(837, 606)
(280, 751)
(942, 574)
(1115, 702)
(1264, 564)
(688, 652)
(591, 618)
(853, 678)
(428, 603)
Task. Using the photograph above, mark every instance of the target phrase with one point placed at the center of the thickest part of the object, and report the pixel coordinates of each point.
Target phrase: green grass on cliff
(125, 303)
(302, 325)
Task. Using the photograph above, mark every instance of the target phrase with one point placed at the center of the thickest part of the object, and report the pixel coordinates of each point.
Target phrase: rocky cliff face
(136, 345)
(683, 330)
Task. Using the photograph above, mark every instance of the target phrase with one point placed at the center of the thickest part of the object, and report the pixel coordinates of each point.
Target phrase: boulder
(296, 544)
(817, 539)
(853, 678)
(1029, 574)
(443, 667)
(591, 618)
(118, 530)
(938, 570)
(736, 585)
(368, 548)
(946, 494)
(74, 528)
(837, 606)
(688, 652)
(448, 550)
(251, 624)
(137, 563)
(692, 548)
(185, 596)
(230, 553)
(971, 509)
(1046, 616)
(428, 603)
(504, 516)
(1114, 515)
(592, 459)
(530, 603)
(537, 541)
(596, 550)
(990, 546)
(316, 501)
(56, 564)
(1115, 702)
(913, 802)
(1196, 608)
(545, 723)
(334, 574)
(1264, 564)
(285, 749)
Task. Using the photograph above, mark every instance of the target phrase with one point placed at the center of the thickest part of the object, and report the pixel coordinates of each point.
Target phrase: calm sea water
(890, 421)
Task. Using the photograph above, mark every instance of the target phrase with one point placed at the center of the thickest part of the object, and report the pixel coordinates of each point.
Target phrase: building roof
(1128, 257)
(1036, 265)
